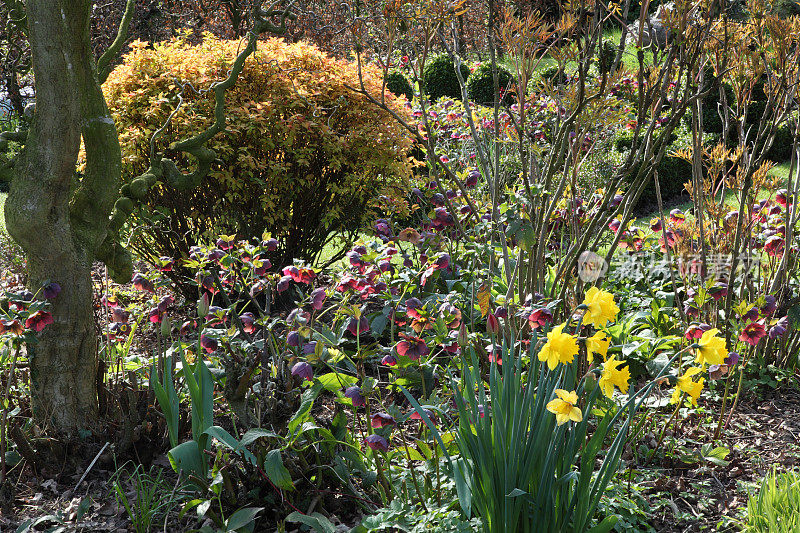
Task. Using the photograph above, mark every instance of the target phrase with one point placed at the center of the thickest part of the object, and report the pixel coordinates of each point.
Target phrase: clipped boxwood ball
(399, 85)
(480, 85)
(439, 78)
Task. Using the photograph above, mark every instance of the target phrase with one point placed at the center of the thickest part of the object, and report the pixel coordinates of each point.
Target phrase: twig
(89, 468)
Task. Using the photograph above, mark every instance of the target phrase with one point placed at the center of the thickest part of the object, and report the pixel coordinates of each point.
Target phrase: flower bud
(492, 324)
(166, 326)
(202, 305)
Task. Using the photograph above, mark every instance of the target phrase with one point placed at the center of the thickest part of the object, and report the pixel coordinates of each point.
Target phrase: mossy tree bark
(60, 218)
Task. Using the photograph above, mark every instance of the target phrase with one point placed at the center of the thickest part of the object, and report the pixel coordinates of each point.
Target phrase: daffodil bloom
(598, 343)
(711, 349)
(612, 375)
(600, 307)
(560, 348)
(687, 385)
(564, 407)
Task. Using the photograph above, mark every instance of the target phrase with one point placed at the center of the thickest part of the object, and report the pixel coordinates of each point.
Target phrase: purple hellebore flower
(412, 347)
(380, 420)
(257, 288)
(270, 244)
(752, 314)
(209, 344)
(142, 283)
(382, 228)
(354, 393)
(51, 290)
(354, 258)
(309, 348)
(318, 297)
(165, 302)
(283, 283)
(492, 324)
(356, 326)
(303, 370)
(119, 315)
(413, 304)
(248, 322)
(443, 261)
(154, 315)
(376, 442)
(770, 305)
(389, 360)
(779, 328)
(293, 339)
(472, 178)
(655, 225)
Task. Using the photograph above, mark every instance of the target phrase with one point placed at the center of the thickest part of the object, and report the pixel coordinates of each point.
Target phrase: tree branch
(104, 63)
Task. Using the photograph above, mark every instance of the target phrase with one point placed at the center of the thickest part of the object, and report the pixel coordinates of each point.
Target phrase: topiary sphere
(439, 78)
(480, 85)
(399, 85)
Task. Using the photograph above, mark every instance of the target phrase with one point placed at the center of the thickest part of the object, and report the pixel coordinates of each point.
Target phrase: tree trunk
(59, 218)
(64, 361)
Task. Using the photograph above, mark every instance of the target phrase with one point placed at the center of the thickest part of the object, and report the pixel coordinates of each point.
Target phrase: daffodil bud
(590, 381)
(202, 305)
(463, 336)
(166, 326)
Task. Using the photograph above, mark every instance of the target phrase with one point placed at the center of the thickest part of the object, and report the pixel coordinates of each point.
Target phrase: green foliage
(480, 85)
(781, 149)
(673, 171)
(189, 457)
(607, 55)
(439, 78)
(153, 497)
(518, 470)
(554, 75)
(303, 157)
(397, 83)
(776, 507)
(402, 515)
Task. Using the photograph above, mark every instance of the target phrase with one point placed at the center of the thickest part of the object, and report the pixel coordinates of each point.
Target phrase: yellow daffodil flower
(687, 385)
(598, 343)
(564, 407)
(600, 308)
(560, 348)
(712, 349)
(612, 375)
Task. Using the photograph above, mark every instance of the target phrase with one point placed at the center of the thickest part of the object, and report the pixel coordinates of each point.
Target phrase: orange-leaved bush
(303, 158)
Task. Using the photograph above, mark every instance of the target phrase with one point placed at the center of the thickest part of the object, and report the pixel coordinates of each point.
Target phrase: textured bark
(60, 219)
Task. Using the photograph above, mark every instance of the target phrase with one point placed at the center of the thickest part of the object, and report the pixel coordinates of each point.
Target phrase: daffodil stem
(718, 431)
(673, 417)
(739, 387)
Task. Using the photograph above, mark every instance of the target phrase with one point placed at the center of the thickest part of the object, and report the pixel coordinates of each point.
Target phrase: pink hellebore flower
(303, 370)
